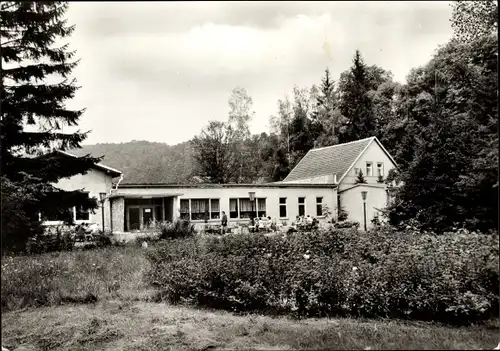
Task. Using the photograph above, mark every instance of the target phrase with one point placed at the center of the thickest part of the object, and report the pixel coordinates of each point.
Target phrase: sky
(159, 71)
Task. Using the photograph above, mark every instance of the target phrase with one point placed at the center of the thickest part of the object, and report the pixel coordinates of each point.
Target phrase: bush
(65, 238)
(178, 229)
(346, 224)
(384, 272)
(62, 239)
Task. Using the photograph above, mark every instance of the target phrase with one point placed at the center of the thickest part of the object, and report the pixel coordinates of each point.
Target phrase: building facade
(134, 205)
(321, 184)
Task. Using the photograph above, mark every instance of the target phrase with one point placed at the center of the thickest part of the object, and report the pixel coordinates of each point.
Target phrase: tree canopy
(35, 84)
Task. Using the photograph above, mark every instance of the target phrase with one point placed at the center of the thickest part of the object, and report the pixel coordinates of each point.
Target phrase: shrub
(346, 224)
(61, 238)
(178, 229)
(343, 214)
(103, 239)
(384, 272)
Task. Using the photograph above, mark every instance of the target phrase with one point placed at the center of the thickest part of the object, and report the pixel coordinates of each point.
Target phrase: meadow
(104, 299)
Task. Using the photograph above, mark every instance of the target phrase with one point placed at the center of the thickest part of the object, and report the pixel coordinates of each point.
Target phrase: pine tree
(360, 179)
(355, 104)
(33, 115)
(327, 114)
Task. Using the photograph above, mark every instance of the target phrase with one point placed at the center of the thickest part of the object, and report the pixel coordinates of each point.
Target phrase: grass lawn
(116, 325)
(122, 318)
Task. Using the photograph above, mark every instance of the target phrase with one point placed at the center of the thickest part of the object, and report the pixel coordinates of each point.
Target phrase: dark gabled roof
(106, 169)
(336, 159)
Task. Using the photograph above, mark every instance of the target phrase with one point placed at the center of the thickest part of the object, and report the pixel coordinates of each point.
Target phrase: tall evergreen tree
(355, 104)
(33, 115)
(303, 129)
(327, 113)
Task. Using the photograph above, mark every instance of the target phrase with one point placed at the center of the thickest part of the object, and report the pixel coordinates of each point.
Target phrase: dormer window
(369, 169)
(380, 169)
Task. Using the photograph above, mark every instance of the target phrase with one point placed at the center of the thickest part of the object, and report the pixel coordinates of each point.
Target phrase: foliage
(72, 277)
(61, 241)
(343, 214)
(296, 128)
(145, 161)
(346, 224)
(327, 113)
(326, 211)
(178, 229)
(450, 175)
(29, 31)
(214, 153)
(389, 273)
(16, 224)
(360, 179)
(473, 20)
(65, 238)
(355, 104)
(240, 114)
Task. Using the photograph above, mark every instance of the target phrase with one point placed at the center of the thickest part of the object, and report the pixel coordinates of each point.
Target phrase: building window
(70, 215)
(261, 205)
(57, 216)
(380, 169)
(319, 206)
(302, 206)
(282, 207)
(185, 209)
(81, 214)
(369, 169)
(199, 209)
(356, 171)
(247, 208)
(233, 208)
(214, 209)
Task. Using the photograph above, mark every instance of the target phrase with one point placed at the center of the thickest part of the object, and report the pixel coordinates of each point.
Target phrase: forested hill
(144, 161)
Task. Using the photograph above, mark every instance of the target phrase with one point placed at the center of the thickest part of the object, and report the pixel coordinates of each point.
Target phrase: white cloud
(159, 71)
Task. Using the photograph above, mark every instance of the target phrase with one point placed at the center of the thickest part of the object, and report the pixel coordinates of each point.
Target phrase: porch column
(175, 208)
(118, 214)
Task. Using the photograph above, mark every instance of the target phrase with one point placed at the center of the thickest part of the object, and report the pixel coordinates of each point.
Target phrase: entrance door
(134, 219)
(147, 216)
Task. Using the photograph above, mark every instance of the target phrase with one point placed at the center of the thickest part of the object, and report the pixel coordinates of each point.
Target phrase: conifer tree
(360, 178)
(355, 103)
(34, 86)
(327, 113)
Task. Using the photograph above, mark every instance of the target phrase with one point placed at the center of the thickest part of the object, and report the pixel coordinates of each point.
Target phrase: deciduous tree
(214, 153)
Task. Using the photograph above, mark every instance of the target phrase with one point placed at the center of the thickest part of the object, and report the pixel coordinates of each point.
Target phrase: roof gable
(336, 159)
(99, 166)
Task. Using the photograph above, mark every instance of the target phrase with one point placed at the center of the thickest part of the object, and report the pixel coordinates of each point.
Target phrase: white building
(323, 181)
